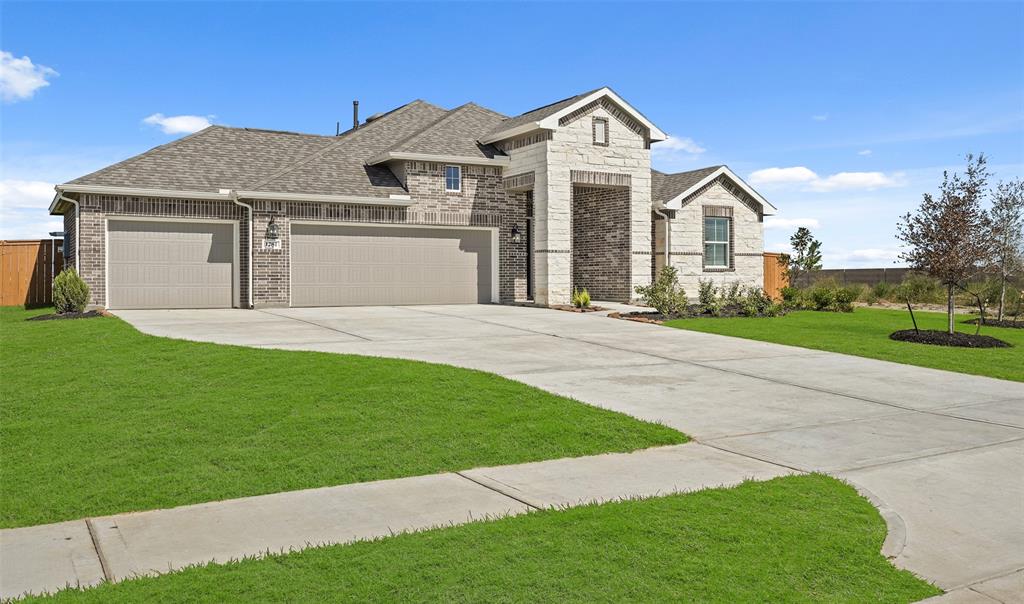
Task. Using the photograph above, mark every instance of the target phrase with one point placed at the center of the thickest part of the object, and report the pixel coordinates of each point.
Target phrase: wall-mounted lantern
(517, 237)
(272, 231)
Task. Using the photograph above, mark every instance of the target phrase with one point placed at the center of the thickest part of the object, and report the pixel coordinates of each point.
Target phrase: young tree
(947, 237)
(806, 256)
(1007, 233)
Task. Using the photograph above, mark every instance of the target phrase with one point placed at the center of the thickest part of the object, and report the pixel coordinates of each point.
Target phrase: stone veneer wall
(601, 242)
(688, 241)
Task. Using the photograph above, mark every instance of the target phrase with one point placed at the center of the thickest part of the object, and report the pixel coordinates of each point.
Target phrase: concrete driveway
(941, 453)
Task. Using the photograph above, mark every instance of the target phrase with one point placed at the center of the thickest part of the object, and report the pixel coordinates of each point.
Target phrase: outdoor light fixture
(516, 235)
(272, 230)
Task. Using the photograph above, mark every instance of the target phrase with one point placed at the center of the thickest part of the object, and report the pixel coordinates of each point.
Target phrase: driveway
(941, 453)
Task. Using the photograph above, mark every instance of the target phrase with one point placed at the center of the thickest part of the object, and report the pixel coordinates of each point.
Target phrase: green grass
(865, 332)
(795, 539)
(97, 418)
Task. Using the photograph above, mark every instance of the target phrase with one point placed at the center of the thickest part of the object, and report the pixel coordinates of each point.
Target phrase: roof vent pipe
(355, 114)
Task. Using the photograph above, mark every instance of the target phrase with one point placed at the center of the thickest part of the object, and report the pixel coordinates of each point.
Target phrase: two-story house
(420, 205)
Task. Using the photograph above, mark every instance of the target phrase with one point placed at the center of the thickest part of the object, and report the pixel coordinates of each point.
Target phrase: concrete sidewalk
(85, 552)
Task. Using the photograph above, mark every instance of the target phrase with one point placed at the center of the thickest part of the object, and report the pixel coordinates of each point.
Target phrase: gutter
(233, 196)
(659, 210)
(60, 197)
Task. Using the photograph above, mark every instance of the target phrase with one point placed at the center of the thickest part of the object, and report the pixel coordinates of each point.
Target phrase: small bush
(792, 297)
(884, 291)
(665, 294)
(844, 299)
(580, 298)
(707, 297)
(921, 289)
(732, 295)
(754, 302)
(70, 292)
(823, 297)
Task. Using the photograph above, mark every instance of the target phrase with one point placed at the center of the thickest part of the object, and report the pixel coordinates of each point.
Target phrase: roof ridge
(135, 158)
(342, 138)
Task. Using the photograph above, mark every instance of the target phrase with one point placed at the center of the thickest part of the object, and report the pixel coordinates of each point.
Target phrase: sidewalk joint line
(313, 324)
(499, 491)
(104, 566)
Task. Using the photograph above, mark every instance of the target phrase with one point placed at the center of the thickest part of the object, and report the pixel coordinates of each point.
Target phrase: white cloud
(29, 194)
(774, 222)
(677, 144)
(810, 180)
(178, 124)
(769, 176)
(20, 78)
(856, 180)
(880, 257)
(820, 118)
(864, 152)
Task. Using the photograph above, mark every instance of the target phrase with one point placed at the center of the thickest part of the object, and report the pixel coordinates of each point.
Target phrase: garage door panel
(157, 264)
(349, 265)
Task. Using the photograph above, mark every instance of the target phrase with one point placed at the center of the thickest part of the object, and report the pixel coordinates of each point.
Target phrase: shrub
(823, 297)
(707, 297)
(921, 289)
(792, 297)
(733, 294)
(580, 299)
(844, 298)
(884, 291)
(70, 293)
(754, 302)
(665, 294)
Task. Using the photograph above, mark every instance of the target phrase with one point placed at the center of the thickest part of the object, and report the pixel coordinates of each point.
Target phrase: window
(600, 131)
(453, 179)
(716, 242)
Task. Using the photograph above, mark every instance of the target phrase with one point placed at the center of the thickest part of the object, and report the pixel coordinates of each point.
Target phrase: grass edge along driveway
(806, 538)
(865, 333)
(97, 418)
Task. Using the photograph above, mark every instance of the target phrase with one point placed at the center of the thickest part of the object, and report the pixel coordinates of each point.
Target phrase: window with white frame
(601, 131)
(716, 242)
(453, 179)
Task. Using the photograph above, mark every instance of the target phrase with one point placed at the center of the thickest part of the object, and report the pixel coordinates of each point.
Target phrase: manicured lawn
(97, 418)
(865, 332)
(793, 539)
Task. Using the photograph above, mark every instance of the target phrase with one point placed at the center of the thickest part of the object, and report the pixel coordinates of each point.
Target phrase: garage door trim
(450, 227)
(236, 246)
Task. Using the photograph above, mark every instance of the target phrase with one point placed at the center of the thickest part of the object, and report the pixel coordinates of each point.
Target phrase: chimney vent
(355, 114)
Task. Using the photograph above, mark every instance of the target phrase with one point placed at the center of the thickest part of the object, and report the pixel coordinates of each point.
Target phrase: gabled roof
(547, 116)
(672, 190)
(453, 135)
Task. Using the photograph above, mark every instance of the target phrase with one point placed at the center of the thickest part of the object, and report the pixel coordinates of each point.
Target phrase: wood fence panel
(27, 269)
(774, 275)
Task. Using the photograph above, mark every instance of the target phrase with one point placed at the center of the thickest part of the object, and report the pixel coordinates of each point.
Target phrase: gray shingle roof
(539, 113)
(666, 186)
(220, 157)
(456, 133)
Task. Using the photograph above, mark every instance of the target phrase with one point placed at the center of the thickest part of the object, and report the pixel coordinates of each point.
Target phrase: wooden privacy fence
(27, 269)
(774, 275)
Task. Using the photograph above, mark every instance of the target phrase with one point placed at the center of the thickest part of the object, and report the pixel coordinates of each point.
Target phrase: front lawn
(795, 539)
(865, 332)
(97, 418)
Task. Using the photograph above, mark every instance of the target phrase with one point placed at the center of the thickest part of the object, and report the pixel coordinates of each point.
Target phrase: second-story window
(453, 179)
(601, 131)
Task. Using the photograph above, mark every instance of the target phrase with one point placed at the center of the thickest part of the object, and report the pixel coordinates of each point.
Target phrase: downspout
(60, 195)
(248, 253)
(659, 210)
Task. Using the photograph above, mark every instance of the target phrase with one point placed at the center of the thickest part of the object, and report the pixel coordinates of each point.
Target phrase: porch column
(552, 249)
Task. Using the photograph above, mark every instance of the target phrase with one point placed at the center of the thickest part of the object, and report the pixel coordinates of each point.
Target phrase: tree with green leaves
(948, 236)
(806, 256)
(1006, 232)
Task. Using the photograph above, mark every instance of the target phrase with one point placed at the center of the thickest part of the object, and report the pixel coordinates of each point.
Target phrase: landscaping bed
(942, 338)
(1006, 323)
(89, 314)
(798, 539)
(97, 418)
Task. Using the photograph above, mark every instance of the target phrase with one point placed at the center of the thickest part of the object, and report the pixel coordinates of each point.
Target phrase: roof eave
(229, 194)
(655, 133)
(511, 132)
(676, 202)
(440, 158)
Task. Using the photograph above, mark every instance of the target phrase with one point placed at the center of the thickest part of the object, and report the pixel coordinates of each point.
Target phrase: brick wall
(601, 259)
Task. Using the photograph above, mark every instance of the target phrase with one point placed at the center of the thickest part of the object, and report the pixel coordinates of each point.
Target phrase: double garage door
(357, 265)
(161, 264)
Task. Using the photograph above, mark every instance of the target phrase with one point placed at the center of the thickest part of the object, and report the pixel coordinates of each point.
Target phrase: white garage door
(342, 265)
(157, 264)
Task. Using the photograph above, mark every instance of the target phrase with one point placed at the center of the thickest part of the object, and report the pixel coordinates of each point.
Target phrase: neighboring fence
(774, 275)
(27, 269)
(857, 276)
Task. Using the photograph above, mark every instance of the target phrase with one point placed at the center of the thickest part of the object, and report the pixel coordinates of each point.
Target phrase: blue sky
(840, 114)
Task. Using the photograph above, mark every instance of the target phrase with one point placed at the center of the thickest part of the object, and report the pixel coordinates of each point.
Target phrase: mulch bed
(941, 338)
(568, 308)
(89, 314)
(998, 323)
(654, 316)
